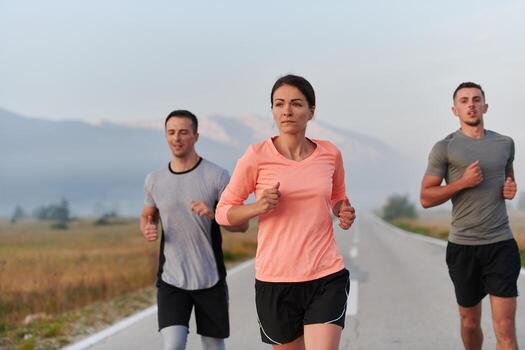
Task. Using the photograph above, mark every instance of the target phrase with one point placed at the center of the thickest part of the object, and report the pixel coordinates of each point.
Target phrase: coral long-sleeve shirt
(295, 240)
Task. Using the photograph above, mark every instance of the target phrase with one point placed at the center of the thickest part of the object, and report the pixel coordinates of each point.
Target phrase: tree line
(58, 214)
(399, 206)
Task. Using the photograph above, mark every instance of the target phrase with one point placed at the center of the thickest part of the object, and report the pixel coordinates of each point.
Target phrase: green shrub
(398, 206)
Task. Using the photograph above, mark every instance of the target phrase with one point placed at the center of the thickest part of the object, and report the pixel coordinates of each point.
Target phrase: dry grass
(239, 246)
(45, 271)
(55, 331)
(437, 224)
(48, 271)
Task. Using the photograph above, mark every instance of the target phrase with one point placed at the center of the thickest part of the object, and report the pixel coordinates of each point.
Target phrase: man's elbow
(425, 203)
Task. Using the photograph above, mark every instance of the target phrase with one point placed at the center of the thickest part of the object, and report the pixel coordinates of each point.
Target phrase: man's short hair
(468, 84)
(182, 113)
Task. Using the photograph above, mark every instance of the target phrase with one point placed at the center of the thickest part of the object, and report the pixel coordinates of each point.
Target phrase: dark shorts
(284, 308)
(211, 308)
(483, 269)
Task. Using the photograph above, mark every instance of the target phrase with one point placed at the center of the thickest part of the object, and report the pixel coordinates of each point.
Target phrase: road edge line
(353, 297)
(412, 235)
(420, 237)
(130, 320)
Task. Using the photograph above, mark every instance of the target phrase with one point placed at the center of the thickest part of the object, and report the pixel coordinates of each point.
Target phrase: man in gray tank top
(182, 196)
(482, 255)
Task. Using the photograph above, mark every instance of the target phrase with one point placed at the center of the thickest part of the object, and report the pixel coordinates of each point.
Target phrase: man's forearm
(144, 220)
(435, 195)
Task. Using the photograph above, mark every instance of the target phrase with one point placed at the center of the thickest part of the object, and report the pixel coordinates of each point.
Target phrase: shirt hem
(267, 278)
(192, 289)
(500, 238)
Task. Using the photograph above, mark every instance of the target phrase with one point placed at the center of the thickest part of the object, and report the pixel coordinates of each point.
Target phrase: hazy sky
(383, 68)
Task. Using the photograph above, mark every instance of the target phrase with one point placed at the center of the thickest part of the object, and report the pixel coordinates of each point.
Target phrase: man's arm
(148, 223)
(433, 194)
(509, 187)
(200, 208)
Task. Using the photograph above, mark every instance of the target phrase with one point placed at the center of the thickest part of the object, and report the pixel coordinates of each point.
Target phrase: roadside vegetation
(399, 211)
(59, 284)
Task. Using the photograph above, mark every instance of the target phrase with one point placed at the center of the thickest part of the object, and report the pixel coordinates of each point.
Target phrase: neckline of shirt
(462, 134)
(185, 171)
(290, 161)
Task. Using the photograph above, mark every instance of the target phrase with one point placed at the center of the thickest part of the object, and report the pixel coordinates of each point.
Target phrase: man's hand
(472, 175)
(509, 188)
(150, 230)
(200, 208)
(269, 199)
(346, 215)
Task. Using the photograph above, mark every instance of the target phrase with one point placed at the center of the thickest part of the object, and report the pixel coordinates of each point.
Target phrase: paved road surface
(401, 298)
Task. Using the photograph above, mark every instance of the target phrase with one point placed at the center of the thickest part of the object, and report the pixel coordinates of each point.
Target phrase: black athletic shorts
(479, 270)
(283, 308)
(211, 308)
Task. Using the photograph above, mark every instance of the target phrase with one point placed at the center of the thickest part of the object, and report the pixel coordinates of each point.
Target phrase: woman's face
(290, 110)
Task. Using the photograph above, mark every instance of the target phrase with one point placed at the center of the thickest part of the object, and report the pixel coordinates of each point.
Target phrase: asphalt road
(400, 298)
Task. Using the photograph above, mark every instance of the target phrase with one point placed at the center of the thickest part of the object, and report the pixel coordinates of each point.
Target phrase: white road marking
(125, 323)
(412, 235)
(356, 235)
(117, 327)
(354, 252)
(353, 296)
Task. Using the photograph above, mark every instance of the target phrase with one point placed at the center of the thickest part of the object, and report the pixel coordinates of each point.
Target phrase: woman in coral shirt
(301, 283)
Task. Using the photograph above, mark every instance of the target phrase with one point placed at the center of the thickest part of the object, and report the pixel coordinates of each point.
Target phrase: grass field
(437, 224)
(45, 273)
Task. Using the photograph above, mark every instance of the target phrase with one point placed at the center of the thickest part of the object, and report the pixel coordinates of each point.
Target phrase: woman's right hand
(269, 199)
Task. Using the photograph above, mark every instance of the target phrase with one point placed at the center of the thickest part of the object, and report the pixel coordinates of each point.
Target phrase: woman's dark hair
(300, 83)
(182, 113)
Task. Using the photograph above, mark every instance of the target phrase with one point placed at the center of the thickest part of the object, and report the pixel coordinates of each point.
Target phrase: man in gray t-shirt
(482, 255)
(182, 196)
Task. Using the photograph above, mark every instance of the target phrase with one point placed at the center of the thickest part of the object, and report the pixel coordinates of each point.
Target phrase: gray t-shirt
(479, 214)
(191, 253)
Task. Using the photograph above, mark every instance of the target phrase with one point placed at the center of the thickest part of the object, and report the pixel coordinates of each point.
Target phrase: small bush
(398, 206)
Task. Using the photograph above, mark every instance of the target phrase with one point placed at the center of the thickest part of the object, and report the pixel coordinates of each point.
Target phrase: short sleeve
(242, 183)
(148, 189)
(437, 160)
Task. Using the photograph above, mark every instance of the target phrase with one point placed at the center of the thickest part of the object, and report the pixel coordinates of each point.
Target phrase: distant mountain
(97, 167)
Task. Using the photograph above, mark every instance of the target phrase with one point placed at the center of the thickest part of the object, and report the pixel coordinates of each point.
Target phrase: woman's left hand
(346, 215)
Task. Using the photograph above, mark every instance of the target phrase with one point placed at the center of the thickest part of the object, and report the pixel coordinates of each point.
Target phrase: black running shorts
(211, 308)
(479, 270)
(283, 308)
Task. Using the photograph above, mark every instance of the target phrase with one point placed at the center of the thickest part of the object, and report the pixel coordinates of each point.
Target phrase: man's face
(469, 106)
(180, 137)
